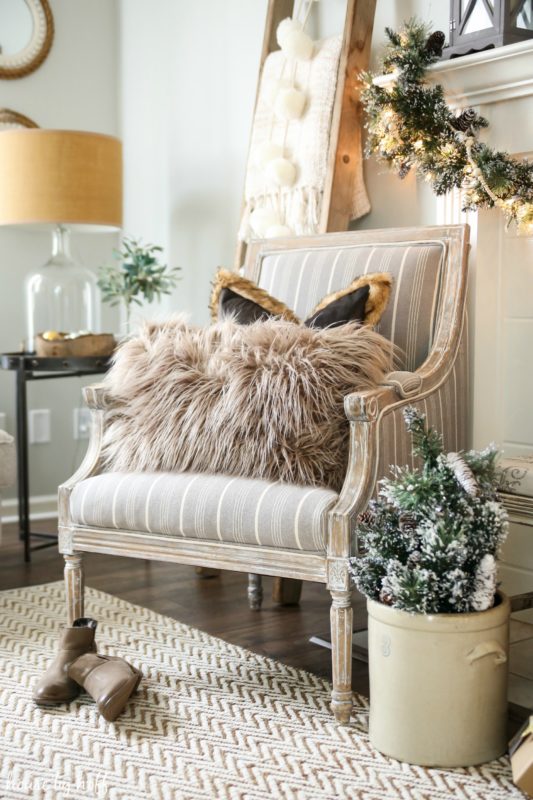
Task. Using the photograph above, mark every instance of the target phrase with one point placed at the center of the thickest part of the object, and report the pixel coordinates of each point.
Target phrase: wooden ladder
(345, 196)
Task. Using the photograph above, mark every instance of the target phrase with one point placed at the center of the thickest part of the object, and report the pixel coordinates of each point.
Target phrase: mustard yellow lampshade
(66, 180)
(67, 177)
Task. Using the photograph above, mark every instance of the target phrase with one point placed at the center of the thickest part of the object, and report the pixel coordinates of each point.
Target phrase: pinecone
(403, 170)
(435, 43)
(463, 474)
(386, 597)
(463, 122)
(366, 518)
(407, 522)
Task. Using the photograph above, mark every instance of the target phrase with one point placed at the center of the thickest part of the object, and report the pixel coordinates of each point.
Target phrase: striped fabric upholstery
(7, 466)
(7, 460)
(446, 410)
(301, 278)
(199, 506)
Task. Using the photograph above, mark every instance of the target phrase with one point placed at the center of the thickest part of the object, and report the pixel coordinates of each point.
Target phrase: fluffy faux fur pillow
(261, 401)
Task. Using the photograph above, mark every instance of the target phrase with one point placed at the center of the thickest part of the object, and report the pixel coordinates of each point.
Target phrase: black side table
(29, 367)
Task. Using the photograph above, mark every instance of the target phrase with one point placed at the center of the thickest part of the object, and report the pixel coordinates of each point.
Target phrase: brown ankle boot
(55, 686)
(109, 680)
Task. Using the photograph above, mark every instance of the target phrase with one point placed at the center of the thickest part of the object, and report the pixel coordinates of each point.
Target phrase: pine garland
(411, 126)
(430, 541)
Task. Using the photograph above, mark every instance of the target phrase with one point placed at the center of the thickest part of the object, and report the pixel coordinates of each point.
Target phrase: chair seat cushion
(201, 506)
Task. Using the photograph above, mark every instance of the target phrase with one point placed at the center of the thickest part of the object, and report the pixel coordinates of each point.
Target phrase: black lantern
(477, 25)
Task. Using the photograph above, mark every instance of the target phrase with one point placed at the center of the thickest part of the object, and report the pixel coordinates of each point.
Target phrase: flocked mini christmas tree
(430, 541)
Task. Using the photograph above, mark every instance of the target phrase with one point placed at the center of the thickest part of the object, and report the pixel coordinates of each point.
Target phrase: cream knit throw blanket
(306, 140)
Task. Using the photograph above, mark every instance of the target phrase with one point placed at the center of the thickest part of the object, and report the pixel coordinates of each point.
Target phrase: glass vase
(62, 295)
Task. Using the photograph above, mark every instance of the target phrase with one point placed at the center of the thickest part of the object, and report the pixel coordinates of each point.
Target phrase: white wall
(188, 79)
(76, 87)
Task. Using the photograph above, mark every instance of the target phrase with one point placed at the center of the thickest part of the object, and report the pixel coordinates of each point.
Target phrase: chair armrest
(99, 401)
(97, 397)
(7, 460)
(365, 411)
(405, 384)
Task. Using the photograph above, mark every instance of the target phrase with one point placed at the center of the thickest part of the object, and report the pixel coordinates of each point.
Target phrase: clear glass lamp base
(62, 295)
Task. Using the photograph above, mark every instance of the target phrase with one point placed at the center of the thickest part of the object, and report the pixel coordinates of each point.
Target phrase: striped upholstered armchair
(7, 467)
(278, 529)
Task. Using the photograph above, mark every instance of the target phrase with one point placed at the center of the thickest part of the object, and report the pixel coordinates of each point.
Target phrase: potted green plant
(139, 276)
(438, 626)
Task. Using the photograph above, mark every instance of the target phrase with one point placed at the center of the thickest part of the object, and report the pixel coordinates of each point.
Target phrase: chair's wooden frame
(364, 411)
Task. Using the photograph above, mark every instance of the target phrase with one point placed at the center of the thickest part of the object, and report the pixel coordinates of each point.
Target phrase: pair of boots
(109, 680)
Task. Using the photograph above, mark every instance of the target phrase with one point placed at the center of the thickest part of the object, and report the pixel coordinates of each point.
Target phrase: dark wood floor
(215, 605)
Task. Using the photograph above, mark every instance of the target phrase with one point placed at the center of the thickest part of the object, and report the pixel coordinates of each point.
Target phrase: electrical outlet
(82, 423)
(3, 421)
(39, 426)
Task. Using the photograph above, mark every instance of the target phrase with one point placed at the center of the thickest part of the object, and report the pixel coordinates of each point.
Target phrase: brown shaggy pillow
(260, 401)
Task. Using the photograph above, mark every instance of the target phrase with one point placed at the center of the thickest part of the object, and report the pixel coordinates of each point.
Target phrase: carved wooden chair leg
(74, 586)
(255, 591)
(341, 655)
(287, 591)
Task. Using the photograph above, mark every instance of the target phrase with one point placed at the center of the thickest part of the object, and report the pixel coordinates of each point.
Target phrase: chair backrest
(301, 271)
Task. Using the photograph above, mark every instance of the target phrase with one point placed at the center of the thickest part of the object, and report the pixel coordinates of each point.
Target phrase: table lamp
(61, 180)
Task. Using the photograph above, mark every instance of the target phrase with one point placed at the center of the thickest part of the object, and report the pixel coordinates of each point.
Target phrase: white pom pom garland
(286, 26)
(280, 172)
(265, 152)
(274, 173)
(271, 87)
(297, 45)
(275, 231)
(262, 219)
(290, 104)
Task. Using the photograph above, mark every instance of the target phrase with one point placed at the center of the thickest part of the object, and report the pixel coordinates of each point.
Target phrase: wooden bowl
(89, 344)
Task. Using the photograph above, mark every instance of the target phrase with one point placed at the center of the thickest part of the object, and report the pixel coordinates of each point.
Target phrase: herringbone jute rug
(210, 720)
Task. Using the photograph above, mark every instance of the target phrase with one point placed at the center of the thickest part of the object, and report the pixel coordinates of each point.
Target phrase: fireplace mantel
(492, 76)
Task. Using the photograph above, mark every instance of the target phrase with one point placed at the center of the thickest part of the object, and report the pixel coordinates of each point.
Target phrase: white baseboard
(41, 507)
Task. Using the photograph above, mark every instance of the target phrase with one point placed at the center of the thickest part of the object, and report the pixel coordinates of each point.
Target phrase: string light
(410, 125)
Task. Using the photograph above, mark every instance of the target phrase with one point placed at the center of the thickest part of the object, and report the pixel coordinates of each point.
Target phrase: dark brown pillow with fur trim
(363, 301)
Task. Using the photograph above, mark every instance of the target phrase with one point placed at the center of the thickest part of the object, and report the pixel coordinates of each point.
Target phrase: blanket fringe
(297, 208)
